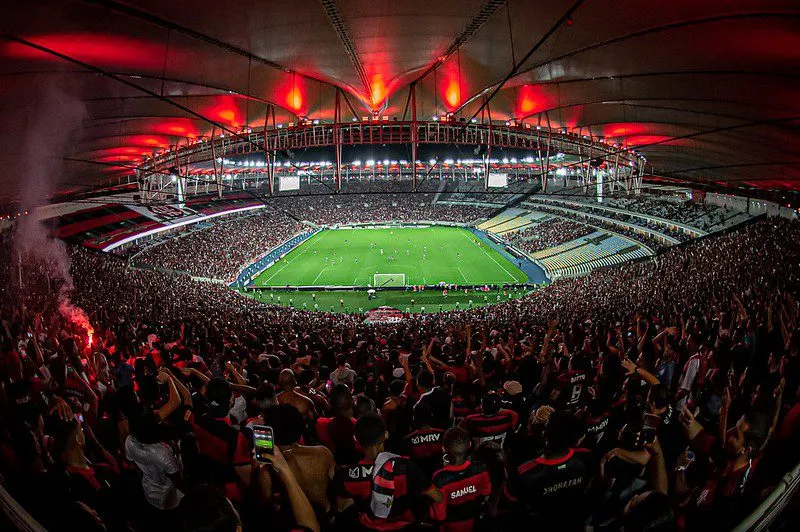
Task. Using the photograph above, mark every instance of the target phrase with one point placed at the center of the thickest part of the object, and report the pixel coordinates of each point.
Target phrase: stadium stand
(580, 256)
(648, 326)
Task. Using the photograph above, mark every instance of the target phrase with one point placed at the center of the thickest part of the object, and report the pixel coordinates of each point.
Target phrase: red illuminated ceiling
(707, 90)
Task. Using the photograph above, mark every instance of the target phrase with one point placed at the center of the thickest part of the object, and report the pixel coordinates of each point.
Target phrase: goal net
(388, 279)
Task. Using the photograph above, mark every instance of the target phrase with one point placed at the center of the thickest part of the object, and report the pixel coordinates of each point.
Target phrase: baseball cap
(512, 387)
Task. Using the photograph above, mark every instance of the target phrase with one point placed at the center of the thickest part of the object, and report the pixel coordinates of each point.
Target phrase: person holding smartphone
(312, 465)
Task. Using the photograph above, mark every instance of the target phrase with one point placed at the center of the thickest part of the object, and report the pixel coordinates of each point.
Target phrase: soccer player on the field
(465, 485)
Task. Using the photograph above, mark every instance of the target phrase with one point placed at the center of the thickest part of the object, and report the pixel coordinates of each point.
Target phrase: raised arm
(301, 508)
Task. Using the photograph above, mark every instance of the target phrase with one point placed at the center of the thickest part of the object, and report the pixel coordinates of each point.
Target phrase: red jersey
(491, 428)
(462, 486)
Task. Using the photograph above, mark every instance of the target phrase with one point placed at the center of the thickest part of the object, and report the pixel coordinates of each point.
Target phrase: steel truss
(623, 169)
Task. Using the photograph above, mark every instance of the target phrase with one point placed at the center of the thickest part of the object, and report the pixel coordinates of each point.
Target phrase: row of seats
(492, 223)
(519, 222)
(580, 256)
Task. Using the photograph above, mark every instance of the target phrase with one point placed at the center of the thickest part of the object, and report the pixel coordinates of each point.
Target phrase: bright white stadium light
(370, 162)
(448, 161)
(316, 121)
(538, 128)
(356, 163)
(458, 161)
(561, 171)
(505, 160)
(174, 178)
(386, 162)
(260, 164)
(435, 118)
(514, 160)
(328, 163)
(354, 119)
(219, 159)
(474, 120)
(280, 126)
(393, 162)
(403, 162)
(432, 162)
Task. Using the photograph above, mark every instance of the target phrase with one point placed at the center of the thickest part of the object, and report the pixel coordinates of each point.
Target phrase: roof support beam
(337, 21)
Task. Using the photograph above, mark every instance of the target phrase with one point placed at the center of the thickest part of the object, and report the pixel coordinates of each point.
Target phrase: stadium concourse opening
(411, 267)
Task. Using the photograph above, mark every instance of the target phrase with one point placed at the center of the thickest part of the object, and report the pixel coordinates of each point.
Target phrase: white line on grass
(462, 274)
(316, 241)
(317, 277)
(490, 256)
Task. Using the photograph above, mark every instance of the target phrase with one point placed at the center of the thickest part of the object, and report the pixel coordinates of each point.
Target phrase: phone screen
(652, 421)
(649, 434)
(263, 442)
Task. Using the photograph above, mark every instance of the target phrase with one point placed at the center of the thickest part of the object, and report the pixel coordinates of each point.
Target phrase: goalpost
(381, 280)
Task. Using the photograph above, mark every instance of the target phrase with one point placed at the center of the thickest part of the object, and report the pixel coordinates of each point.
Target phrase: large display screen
(498, 180)
(289, 182)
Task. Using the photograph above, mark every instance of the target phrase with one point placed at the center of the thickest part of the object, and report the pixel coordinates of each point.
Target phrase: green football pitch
(424, 255)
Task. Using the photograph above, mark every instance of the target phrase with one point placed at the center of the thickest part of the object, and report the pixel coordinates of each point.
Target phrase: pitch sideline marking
(490, 256)
(317, 277)
(462, 274)
(316, 241)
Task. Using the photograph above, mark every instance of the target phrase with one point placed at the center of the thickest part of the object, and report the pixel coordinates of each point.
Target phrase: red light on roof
(294, 99)
(95, 48)
(378, 90)
(453, 94)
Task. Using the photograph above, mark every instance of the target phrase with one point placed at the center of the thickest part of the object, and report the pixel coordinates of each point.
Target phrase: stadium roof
(708, 90)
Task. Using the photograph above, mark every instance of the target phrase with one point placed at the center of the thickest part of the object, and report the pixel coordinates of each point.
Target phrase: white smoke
(51, 124)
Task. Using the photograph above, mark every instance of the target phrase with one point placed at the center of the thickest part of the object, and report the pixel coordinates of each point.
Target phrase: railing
(766, 513)
(20, 519)
(389, 132)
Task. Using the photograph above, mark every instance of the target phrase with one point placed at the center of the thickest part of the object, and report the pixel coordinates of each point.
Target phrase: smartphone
(649, 434)
(652, 421)
(263, 442)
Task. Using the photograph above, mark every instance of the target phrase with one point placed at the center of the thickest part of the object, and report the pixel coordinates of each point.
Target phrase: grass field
(426, 255)
(352, 301)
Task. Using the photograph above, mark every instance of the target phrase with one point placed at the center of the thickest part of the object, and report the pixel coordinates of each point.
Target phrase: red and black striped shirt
(463, 487)
(495, 427)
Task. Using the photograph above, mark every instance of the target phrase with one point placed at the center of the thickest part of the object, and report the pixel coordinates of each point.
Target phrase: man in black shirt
(552, 488)
(436, 398)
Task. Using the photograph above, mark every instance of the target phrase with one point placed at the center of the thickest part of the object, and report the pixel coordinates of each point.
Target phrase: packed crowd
(701, 215)
(633, 219)
(381, 207)
(645, 239)
(656, 396)
(222, 249)
(548, 234)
